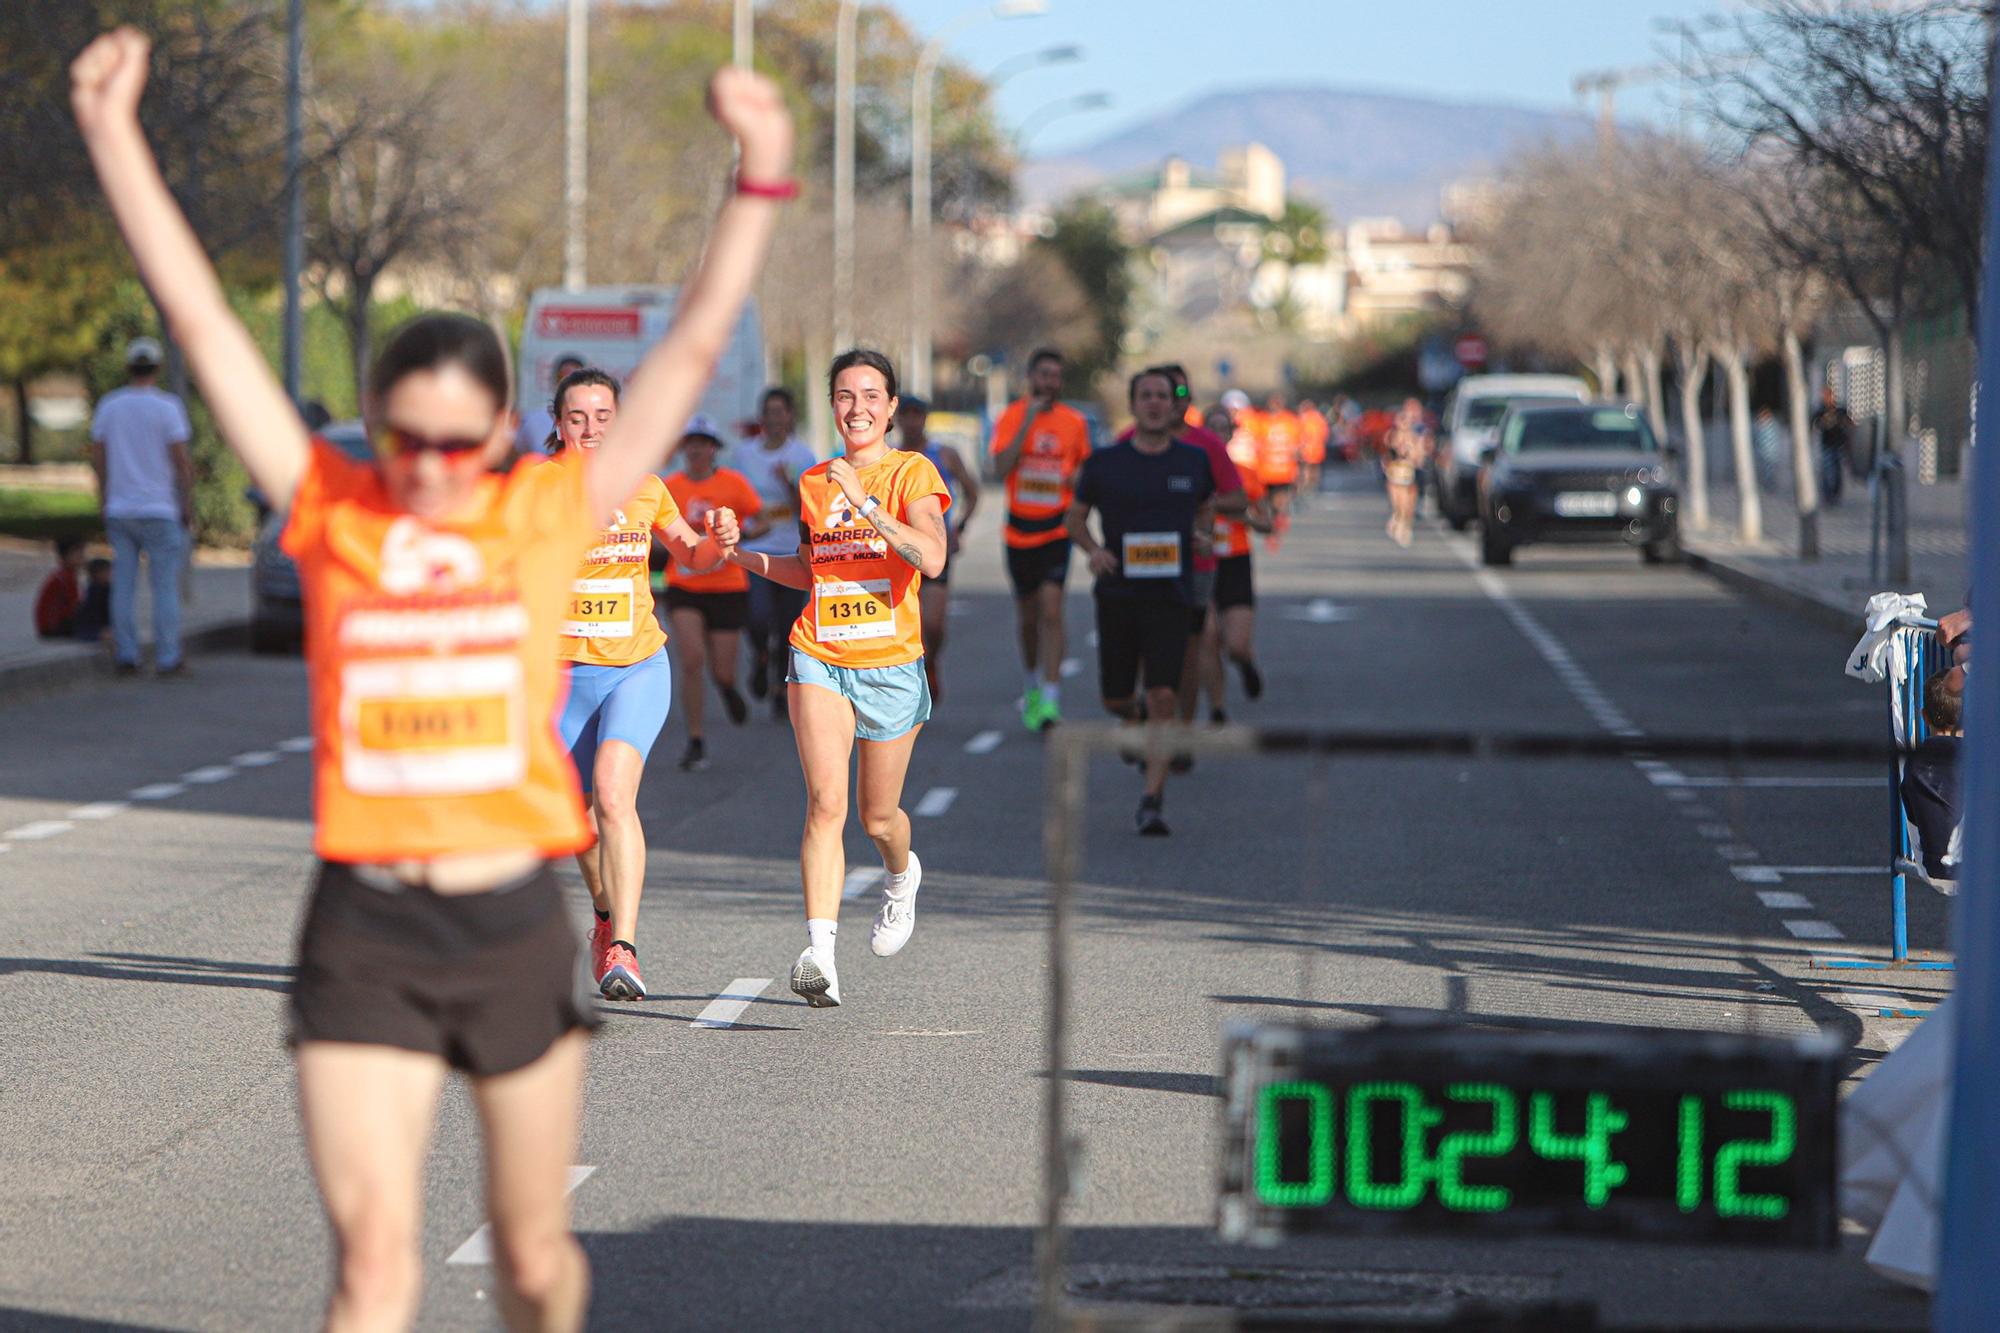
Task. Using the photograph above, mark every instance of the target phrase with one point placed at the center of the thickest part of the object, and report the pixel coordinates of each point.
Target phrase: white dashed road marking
(255, 758)
(726, 1008)
(1814, 930)
(157, 791)
(208, 774)
(860, 881)
(100, 810)
(1779, 899)
(936, 801)
(1071, 667)
(986, 742)
(478, 1247)
(296, 745)
(39, 829)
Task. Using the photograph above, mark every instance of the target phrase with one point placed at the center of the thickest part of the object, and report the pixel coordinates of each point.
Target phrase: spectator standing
(57, 602)
(1769, 439)
(93, 614)
(145, 482)
(1836, 434)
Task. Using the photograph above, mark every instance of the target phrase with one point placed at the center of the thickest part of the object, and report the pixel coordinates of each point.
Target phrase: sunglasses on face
(395, 442)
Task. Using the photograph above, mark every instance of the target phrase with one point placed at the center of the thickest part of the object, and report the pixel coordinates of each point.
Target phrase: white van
(610, 329)
(1471, 423)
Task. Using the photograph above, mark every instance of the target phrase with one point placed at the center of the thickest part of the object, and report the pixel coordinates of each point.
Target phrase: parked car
(277, 612)
(1588, 472)
(1471, 428)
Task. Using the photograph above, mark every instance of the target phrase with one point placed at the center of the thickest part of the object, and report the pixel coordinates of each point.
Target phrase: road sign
(1470, 350)
(1665, 1136)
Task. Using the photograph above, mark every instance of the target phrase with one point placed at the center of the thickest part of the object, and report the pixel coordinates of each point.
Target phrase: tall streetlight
(742, 40)
(1048, 113)
(576, 75)
(295, 194)
(918, 365)
(843, 174)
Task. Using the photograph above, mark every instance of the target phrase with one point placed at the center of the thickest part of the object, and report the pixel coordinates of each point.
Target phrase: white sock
(820, 931)
(898, 883)
(1052, 692)
(1031, 681)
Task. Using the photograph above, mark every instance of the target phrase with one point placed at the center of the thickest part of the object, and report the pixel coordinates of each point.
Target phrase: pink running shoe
(621, 974)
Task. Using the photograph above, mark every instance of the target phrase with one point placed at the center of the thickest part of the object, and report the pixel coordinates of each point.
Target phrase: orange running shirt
(862, 611)
(1312, 445)
(608, 618)
(1278, 449)
(721, 489)
(431, 652)
(1038, 491)
(1232, 535)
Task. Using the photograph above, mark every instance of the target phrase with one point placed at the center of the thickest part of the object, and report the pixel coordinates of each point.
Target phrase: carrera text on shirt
(1038, 491)
(609, 620)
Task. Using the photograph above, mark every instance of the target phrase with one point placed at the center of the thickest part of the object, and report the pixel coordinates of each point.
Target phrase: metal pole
(917, 365)
(1968, 1298)
(295, 195)
(743, 44)
(1062, 839)
(576, 104)
(843, 176)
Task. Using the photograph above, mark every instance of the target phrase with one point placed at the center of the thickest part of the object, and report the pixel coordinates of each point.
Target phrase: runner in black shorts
(1150, 493)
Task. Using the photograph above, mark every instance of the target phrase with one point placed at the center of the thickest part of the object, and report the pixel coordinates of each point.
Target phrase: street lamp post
(742, 41)
(295, 194)
(576, 74)
(1050, 112)
(917, 365)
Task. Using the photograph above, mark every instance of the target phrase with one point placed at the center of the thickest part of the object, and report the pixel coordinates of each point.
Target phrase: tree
(1085, 238)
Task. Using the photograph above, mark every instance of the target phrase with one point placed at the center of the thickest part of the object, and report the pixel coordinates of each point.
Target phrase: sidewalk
(215, 613)
(1833, 589)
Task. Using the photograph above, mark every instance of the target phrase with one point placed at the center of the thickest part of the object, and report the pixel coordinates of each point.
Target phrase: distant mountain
(1358, 154)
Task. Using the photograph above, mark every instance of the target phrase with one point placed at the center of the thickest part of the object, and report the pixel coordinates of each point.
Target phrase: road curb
(58, 670)
(1809, 606)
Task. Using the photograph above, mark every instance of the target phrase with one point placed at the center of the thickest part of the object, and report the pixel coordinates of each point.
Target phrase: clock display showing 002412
(1664, 1136)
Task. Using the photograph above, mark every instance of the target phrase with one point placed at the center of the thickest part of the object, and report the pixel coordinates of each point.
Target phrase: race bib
(848, 609)
(1152, 555)
(432, 726)
(599, 609)
(1039, 481)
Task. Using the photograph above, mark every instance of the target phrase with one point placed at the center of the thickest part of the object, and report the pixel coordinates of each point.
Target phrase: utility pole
(843, 176)
(295, 194)
(576, 142)
(742, 40)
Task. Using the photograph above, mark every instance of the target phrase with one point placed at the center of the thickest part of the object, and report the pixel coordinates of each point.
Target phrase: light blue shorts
(615, 703)
(888, 701)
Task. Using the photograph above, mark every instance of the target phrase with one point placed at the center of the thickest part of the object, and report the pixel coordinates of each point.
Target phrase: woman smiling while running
(871, 529)
(434, 936)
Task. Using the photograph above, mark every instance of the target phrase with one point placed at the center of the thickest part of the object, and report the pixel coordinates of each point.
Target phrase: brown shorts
(487, 982)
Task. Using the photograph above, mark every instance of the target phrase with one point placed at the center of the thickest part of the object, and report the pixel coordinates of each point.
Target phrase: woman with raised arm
(433, 938)
(871, 530)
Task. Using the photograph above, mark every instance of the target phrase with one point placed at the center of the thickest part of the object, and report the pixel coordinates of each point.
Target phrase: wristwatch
(869, 505)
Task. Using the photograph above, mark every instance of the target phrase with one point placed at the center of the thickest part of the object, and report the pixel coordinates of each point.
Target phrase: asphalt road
(878, 1166)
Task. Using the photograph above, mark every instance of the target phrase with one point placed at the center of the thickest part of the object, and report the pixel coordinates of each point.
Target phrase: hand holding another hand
(725, 529)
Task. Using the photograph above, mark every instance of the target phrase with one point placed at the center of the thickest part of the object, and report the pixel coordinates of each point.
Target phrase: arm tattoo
(911, 555)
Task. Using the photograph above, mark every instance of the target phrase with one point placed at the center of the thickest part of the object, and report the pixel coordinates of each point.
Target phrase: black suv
(1586, 472)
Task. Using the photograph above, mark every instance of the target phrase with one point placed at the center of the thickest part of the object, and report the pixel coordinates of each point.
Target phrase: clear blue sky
(1153, 54)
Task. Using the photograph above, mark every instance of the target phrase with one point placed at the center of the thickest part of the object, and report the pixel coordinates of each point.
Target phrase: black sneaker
(1182, 762)
(125, 669)
(1253, 679)
(760, 677)
(1217, 718)
(732, 704)
(1150, 821)
(694, 759)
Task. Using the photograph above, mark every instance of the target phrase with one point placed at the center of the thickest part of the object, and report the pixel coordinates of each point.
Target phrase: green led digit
(1733, 1156)
(1687, 1166)
(1601, 1120)
(1413, 1119)
(1317, 1187)
(1453, 1149)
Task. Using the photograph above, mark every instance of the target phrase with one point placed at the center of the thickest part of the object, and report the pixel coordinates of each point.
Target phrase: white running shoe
(898, 916)
(814, 979)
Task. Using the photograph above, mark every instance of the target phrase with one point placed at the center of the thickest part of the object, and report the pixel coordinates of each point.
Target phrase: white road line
(157, 791)
(255, 758)
(100, 810)
(1756, 874)
(209, 773)
(296, 744)
(1712, 830)
(726, 1008)
(1736, 851)
(1780, 900)
(1652, 765)
(39, 829)
(936, 801)
(1815, 930)
(1830, 870)
(1666, 776)
(860, 881)
(478, 1247)
(1071, 666)
(986, 742)
(1759, 782)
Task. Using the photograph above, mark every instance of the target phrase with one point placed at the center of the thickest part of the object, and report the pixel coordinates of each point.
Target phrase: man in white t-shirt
(145, 481)
(532, 435)
(773, 463)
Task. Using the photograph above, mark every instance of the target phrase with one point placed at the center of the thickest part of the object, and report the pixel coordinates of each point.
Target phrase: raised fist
(750, 107)
(106, 80)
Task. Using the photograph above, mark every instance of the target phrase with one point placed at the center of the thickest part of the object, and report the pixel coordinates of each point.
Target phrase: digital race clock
(1658, 1135)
